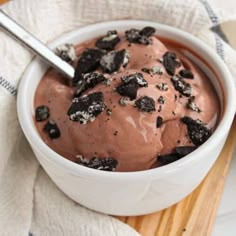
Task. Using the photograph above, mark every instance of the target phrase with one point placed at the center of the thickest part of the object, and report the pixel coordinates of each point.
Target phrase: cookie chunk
(87, 107)
(42, 113)
(145, 104)
(197, 131)
(109, 41)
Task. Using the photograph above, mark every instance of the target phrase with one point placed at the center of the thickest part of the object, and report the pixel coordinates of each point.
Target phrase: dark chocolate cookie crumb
(109, 112)
(136, 78)
(87, 107)
(184, 150)
(159, 121)
(181, 86)
(147, 31)
(133, 35)
(192, 105)
(170, 62)
(177, 154)
(109, 41)
(66, 52)
(140, 36)
(115, 133)
(146, 70)
(42, 113)
(155, 70)
(107, 164)
(145, 104)
(175, 98)
(124, 101)
(197, 132)
(130, 85)
(168, 158)
(129, 90)
(162, 86)
(159, 108)
(113, 60)
(187, 74)
(52, 129)
(88, 62)
(161, 100)
(108, 82)
(89, 80)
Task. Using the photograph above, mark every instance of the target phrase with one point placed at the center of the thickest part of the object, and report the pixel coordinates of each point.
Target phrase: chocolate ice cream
(136, 103)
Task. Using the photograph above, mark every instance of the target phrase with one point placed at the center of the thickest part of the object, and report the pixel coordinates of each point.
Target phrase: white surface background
(225, 223)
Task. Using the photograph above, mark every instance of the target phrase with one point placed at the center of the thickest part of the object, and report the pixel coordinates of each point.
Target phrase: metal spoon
(34, 44)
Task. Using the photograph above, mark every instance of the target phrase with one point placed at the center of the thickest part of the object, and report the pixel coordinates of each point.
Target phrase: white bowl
(130, 193)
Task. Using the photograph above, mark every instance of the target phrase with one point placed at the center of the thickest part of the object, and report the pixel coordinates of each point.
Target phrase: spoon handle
(34, 44)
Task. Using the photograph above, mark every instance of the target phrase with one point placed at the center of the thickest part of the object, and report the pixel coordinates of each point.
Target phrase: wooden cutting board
(195, 214)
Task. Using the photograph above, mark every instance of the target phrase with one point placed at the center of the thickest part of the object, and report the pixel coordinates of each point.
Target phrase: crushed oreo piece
(161, 100)
(168, 158)
(146, 70)
(176, 97)
(88, 62)
(184, 150)
(192, 105)
(145, 104)
(129, 90)
(124, 101)
(177, 154)
(147, 31)
(109, 112)
(159, 121)
(140, 36)
(66, 52)
(154, 70)
(136, 78)
(159, 108)
(109, 41)
(187, 74)
(162, 86)
(170, 62)
(52, 129)
(133, 35)
(113, 60)
(130, 85)
(108, 82)
(181, 86)
(197, 132)
(157, 70)
(42, 113)
(87, 107)
(107, 164)
(89, 80)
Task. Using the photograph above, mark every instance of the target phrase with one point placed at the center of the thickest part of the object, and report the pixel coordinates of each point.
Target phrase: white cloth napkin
(30, 203)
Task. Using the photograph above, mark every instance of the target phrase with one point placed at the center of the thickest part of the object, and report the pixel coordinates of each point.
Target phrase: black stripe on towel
(8, 86)
(215, 22)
